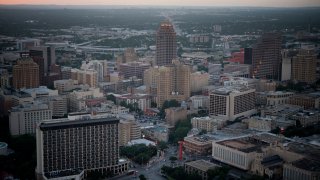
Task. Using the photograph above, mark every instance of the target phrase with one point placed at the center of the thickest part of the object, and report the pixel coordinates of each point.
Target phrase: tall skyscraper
(266, 57)
(172, 82)
(166, 43)
(247, 55)
(67, 148)
(304, 66)
(48, 55)
(25, 74)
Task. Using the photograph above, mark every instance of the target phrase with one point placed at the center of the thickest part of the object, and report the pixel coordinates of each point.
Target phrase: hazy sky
(268, 3)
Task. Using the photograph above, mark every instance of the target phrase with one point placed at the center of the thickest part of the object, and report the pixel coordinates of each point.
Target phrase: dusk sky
(264, 3)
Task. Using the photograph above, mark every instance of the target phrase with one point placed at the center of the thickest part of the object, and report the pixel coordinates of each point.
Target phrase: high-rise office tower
(166, 43)
(166, 83)
(48, 55)
(266, 57)
(304, 66)
(68, 149)
(247, 55)
(25, 74)
(40, 61)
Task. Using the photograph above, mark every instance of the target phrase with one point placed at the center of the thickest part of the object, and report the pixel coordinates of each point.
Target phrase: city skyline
(251, 3)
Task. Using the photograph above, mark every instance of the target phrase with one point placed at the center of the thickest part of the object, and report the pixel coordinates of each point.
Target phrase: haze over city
(156, 90)
(253, 3)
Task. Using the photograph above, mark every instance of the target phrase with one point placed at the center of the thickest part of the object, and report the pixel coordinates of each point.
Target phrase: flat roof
(66, 123)
(244, 144)
(202, 165)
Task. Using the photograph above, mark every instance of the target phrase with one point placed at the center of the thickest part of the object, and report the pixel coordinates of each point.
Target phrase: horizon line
(147, 5)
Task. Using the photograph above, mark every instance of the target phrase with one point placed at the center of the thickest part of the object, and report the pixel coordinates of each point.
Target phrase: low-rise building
(65, 85)
(307, 101)
(200, 145)
(76, 99)
(175, 114)
(24, 118)
(239, 152)
(275, 98)
(208, 124)
(260, 123)
(307, 118)
(199, 101)
(199, 167)
(156, 133)
(128, 130)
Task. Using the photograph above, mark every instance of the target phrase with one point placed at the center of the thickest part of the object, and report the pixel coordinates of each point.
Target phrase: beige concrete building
(175, 114)
(208, 124)
(275, 98)
(232, 102)
(199, 167)
(166, 83)
(199, 101)
(307, 101)
(25, 74)
(239, 152)
(198, 80)
(128, 56)
(128, 130)
(261, 124)
(65, 85)
(89, 77)
(76, 99)
(304, 66)
(24, 118)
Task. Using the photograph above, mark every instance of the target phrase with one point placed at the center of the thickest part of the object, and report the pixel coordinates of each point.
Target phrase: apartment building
(81, 144)
(232, 102)
(24, 118)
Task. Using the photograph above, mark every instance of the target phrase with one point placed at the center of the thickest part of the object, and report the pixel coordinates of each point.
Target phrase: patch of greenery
(139, 153)
(219, 173)
(179, 173)
(181, 130)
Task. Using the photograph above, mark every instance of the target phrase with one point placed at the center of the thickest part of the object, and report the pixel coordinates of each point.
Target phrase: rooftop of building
(309, 151)
(33, 106)
(202, 165)
(199, 139)
(307, 164)
(283, 108)
(277, 93)
(244, 145)
(271, 160)
(231, 89)
(66, 123)
(41, 90)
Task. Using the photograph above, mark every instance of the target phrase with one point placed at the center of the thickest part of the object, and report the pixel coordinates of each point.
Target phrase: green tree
(162, 145)
(153, 104)
(218, 173)
(173, 158)
(142, 177)
(112, 98)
